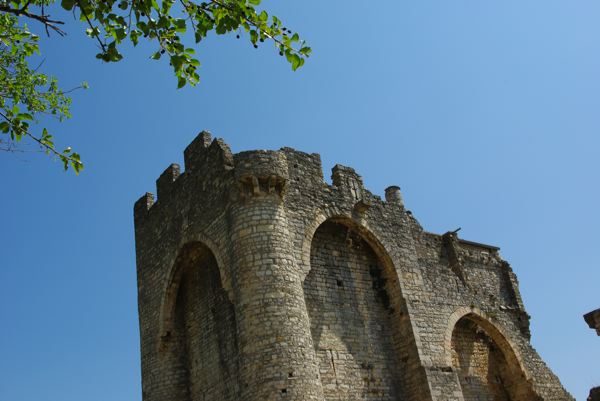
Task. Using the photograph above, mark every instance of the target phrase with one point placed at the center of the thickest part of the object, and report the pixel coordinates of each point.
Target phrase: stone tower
(258, 281)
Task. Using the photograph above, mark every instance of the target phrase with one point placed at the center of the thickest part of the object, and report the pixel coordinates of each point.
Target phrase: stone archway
(199, 335)
(354, 302)
(487, 366)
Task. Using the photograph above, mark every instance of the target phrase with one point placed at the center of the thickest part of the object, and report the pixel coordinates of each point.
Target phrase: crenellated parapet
(207, 166)
(165, 183)
(203, 152)
(258, 280)
(348, 181)
(248, 174)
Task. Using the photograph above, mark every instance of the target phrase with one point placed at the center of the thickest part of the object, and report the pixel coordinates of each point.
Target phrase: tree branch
(44, 19)
(254, 24)
(102, 44)
(48, 148)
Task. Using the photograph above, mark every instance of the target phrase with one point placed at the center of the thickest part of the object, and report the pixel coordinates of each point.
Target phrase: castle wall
(278, 358)
(262, 315)
(484, 372)
(205, 327)
(480, 364)
(351, 318)
(463, 278)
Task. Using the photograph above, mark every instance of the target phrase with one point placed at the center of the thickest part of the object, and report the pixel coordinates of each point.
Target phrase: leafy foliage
(29, 93)
(26, 94)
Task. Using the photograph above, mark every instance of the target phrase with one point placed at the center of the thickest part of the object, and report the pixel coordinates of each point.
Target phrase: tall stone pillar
(277, 356)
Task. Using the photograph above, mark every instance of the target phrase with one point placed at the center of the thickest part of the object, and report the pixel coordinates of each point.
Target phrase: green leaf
(24, 116)
(75, 161)
(253, 36)
(180, 25)
(120, 34)
(177, 62)
(68, 4)
(134, 35)
(163, 22)
(305, 51)
(297, 61)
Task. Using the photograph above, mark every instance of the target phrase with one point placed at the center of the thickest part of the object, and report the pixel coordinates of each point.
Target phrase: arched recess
(487, 365)
(360, 328)
(199, 343)
(173, 279)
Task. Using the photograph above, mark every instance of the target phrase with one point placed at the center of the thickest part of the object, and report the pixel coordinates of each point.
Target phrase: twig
(102, 44)
(40, 142)
(254, 24)
(39, 65)
(24, 8)
(44, 19)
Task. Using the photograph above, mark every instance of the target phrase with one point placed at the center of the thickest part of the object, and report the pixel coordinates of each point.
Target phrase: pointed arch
(362, 230)
(198, 339)
(187, 253)
(485, 359)
(497, 333)
(359, 323)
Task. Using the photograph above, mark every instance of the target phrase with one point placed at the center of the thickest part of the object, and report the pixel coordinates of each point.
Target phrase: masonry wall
(258, 281)
(465, 279)
(483, 370)
(353, 331)
(480, 364)
(205, 328)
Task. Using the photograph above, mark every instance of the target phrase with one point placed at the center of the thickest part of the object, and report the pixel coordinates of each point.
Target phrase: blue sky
(485, 113)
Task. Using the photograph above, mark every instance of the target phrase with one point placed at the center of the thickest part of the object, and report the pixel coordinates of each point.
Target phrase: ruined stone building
(258, 281)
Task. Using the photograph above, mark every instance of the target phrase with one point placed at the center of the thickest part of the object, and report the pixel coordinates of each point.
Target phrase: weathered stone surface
(258, 281)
